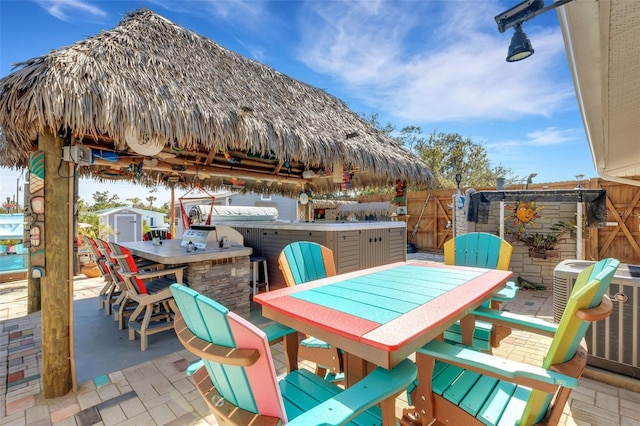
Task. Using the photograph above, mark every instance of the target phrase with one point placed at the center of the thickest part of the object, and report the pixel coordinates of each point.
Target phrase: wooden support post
(579, 242)
(34, 299)
(57, 282)
(172, 225)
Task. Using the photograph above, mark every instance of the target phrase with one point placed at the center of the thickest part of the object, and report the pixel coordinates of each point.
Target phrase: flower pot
(537, 254)
(542, 253)
(90, 270)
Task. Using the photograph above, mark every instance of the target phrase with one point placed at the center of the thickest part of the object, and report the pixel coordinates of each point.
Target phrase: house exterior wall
(537, 270)
(154, 220)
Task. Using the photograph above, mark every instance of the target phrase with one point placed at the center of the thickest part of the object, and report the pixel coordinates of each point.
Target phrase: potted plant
(540, 245)
(544, 245)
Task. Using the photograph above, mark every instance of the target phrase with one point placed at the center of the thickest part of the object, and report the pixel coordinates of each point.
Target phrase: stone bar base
(225, 280)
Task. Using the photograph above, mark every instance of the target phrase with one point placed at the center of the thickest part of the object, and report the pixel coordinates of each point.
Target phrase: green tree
(103, 200)
(448, 154)
(136, 202)
(85, 216)
(375, 122)
(151, 199)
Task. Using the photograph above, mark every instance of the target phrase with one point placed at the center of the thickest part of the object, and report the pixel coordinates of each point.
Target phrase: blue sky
(437, 64)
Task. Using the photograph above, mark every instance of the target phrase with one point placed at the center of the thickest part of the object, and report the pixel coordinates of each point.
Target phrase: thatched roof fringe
(373, 208)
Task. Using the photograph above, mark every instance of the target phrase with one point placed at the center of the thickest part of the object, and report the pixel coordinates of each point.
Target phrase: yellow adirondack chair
(458, 385)
(301, 262)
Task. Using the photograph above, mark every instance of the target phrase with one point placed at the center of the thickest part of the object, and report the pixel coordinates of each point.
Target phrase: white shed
(127, 222)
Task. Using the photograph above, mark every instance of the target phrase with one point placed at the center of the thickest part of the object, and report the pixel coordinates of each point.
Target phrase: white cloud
(533, 151)
(243, 13)
(63, 9)
(551, 136)
(427, 64)
(248, 11)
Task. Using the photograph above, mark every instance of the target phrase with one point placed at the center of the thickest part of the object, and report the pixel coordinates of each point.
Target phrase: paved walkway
(157, 392)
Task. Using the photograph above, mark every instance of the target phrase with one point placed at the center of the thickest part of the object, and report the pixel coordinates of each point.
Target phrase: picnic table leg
(388, 408)
(422, 411)
(467, 327)
(290, 348)
(355, 369)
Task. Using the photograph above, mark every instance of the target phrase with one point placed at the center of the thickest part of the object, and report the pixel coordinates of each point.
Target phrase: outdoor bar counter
(355, 245)
(219, 273)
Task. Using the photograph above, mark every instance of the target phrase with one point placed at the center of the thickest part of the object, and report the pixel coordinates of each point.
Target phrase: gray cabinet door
(347, 252)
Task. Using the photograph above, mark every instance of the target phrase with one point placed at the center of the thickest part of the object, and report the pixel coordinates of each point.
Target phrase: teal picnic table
(380, 316)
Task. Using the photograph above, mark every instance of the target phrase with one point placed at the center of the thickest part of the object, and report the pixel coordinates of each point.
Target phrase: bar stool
(254, 266)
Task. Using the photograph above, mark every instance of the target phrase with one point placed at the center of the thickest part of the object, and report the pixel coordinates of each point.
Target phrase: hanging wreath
(525, 213)
(305, 197)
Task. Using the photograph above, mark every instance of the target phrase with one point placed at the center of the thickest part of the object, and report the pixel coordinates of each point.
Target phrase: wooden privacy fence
(618, 238)
(434, 226)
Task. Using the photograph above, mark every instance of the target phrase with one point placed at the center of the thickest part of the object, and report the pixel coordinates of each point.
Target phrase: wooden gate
(619, 238)
(434, 227)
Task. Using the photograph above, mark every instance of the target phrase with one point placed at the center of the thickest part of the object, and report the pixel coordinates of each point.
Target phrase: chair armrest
(380, 384)
(192, 368)
(520, 322)
(501, 368)
(507, 294)
(273, 332)
(216, 353)
(153, 274)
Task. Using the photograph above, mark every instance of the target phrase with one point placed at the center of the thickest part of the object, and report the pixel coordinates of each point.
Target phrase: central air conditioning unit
(613, 342)
(81, 155)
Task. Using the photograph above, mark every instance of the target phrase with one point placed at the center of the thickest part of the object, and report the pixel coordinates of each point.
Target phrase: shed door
(126, 228)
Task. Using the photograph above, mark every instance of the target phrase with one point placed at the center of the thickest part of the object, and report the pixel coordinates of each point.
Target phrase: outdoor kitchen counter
(170, 252)
(219, 273)
(355, 245)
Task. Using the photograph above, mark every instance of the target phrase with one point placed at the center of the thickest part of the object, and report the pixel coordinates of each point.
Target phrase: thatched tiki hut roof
(214, 115)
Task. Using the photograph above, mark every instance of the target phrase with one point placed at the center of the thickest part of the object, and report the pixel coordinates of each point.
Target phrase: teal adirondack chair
(482, 250)
(238, 378)
(458, 385)
(301, 262)
(304, 261)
